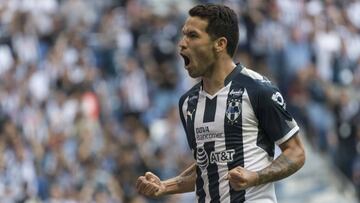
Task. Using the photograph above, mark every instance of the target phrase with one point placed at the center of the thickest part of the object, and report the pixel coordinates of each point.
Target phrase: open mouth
(186, 59)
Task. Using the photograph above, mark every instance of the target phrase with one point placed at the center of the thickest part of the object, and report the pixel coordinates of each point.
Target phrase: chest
(213, 118)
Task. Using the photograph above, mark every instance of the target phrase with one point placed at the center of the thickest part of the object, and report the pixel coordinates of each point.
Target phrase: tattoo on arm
(281, 168)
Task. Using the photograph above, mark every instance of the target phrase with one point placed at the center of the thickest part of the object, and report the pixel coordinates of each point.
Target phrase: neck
(214, 81)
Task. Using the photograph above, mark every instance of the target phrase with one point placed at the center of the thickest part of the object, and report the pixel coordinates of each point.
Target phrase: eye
(193, 35)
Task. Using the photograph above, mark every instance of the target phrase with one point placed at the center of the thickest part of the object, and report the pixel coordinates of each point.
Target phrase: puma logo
(189, 113)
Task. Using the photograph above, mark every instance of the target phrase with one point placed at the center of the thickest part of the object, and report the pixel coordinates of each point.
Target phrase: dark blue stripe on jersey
(199, 186)
(182, 116)
(210, 110)
(265, 143)
(213, 175)
(233, 134)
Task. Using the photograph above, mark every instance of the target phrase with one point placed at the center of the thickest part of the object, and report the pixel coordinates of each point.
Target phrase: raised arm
(288, 162)
(150, 185)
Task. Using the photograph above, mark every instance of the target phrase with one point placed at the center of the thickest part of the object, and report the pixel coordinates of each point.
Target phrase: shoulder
(252, 74)
(255, 83)
(191, 92)
(261, 90)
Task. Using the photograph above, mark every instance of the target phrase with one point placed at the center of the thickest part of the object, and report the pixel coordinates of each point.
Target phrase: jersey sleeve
(273, 117)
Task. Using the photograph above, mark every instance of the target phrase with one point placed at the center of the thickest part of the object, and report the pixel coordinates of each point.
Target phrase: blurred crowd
(89, 89)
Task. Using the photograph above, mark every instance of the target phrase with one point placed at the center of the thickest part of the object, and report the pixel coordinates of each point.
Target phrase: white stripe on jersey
(261, 194)
(252, 74)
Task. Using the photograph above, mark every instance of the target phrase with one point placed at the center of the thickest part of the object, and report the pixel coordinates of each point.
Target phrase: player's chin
(193, 74)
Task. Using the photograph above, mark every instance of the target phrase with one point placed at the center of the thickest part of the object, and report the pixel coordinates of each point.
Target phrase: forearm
(283, 166)
(185, 182)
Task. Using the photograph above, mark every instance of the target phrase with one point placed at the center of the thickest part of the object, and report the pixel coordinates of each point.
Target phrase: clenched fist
(150, 185)
(241, 178)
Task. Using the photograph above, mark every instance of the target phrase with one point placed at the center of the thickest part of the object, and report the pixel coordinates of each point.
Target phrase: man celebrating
(232, 118)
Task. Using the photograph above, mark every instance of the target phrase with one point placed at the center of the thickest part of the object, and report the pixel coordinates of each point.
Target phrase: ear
(220, 44)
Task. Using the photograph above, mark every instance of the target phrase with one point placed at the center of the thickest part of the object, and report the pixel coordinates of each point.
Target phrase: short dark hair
(222, 22)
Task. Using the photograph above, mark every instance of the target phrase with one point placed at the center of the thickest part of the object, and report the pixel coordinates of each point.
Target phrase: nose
(182, 43)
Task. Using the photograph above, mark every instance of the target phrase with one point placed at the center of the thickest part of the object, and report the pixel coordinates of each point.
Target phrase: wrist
(168, 187)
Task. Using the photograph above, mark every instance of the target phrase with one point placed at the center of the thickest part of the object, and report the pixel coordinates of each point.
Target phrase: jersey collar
(233, 73)
(238, 68)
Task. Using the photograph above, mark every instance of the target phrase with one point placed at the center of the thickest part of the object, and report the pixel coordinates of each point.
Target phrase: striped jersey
(237, 126)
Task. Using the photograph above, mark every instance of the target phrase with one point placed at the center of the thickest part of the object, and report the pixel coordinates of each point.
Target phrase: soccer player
(233, 118)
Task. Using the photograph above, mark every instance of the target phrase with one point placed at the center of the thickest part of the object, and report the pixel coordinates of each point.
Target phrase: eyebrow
(183, 31)
(186, 31)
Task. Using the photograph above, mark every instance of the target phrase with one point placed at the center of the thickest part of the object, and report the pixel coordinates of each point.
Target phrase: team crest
(233, 110)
